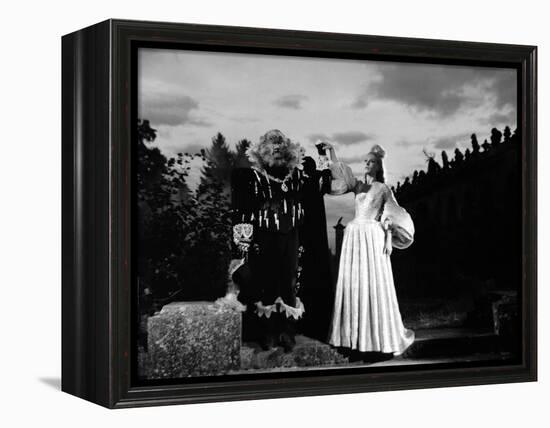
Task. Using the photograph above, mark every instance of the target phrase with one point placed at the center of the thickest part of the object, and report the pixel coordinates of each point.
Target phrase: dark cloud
(351, 137)
(170, 109)
(172, 148)
(192, 148)
(316, 137)
(504, 88)
(440, 90)
(409, 143)
(247, 119)
(345, 138)
(352, 159)
(292, 101)
(451, 141)
(433, 90)
(360, 102)
(499, 118)
(444, 142)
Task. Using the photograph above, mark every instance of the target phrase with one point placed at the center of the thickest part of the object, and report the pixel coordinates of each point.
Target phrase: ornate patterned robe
(275, 211)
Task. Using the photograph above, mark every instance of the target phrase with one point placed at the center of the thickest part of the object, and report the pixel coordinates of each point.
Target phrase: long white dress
(366, 314)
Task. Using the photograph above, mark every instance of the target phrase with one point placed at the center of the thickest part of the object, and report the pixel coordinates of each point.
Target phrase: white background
(30, 222)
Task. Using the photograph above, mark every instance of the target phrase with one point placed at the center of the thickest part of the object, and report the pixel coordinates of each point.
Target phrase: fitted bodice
(369, 205)
(373, 205)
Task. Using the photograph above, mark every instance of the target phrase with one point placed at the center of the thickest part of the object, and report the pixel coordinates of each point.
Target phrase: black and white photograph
(301, 214)
(271, 214)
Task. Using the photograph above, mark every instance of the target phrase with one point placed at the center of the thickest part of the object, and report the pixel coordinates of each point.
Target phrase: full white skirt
(366, 314)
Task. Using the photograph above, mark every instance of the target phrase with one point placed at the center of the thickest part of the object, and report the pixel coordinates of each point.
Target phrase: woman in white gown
(366, 314)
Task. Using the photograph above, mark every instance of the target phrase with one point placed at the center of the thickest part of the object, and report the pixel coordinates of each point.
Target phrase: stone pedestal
(193, 339)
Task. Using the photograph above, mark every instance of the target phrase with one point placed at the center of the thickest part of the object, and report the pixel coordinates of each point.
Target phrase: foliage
(241, 159)
(218, 168)
(183, 235)
(434, 168)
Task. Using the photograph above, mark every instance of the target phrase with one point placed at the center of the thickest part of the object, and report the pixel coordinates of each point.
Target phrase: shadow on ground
(52, 382)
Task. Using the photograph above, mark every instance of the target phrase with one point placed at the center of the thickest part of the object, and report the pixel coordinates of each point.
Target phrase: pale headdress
(380, 153)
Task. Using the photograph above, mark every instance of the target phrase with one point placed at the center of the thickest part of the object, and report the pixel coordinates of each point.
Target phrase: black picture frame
(98, 74)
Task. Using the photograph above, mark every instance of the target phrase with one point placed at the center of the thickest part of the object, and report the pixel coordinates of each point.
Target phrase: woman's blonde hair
(379, 154)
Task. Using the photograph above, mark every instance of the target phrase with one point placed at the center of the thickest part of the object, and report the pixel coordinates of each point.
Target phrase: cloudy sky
(189, 96)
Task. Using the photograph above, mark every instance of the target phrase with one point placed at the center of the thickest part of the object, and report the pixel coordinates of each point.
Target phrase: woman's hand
(388, 247)
(242, 236)
(327, 146)
(244, 246)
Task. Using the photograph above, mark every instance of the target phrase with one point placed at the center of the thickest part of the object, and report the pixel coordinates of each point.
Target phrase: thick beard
(278, 162)
(278, 171)
(275, 167)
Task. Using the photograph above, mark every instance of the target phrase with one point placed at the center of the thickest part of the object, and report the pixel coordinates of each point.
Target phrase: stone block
(193, 339)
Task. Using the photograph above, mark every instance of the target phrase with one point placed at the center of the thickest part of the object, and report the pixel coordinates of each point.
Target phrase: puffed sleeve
(398, 220)
(343, 180)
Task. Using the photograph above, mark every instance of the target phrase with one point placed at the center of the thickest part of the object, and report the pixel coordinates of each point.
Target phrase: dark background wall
(467, 213)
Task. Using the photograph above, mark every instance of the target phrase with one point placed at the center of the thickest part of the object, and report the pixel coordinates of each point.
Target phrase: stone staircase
(442, 336)
(308, 352)
(452, 342)
(204, 339)
(431, 346)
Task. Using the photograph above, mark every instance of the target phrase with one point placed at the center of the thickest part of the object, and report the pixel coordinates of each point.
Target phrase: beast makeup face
(277, 150)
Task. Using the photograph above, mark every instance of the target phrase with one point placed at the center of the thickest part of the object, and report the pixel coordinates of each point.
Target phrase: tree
(475, 144)
(507, 134)
(459, 157)
(183, 245)
(496, 137)
(159, 218)
(433, 166)
(445, 159)
(151, 162)
(241, 159)
(219, 163)
(206, 273)
(515, 136)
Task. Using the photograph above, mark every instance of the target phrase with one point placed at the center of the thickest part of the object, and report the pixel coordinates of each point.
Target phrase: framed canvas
(255, 213)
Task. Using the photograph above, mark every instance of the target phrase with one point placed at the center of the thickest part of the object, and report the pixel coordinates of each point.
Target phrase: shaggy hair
(260, 153)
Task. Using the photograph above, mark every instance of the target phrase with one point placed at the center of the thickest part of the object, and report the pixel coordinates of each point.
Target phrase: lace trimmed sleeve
(343, 180)
(398, 220)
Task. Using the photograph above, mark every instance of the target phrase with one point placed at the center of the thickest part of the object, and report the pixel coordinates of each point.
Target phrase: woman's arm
(331, 151)
(343, 180)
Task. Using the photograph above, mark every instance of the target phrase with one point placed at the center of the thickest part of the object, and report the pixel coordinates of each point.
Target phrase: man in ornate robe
(267, 212)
